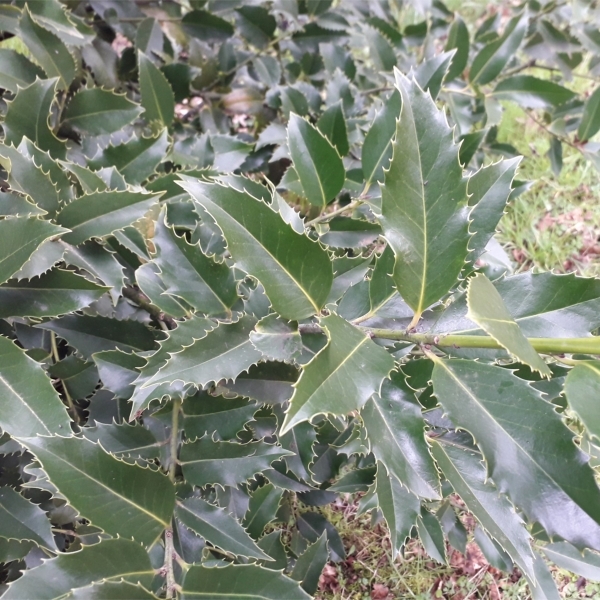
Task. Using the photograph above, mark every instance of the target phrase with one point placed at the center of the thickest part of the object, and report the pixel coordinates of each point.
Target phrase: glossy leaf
(310, 564)
(585, 564)
(491, 59)
(55, 293)
(395, 431)
(400, 508)
(205, 461)
(458, 38)
(590, 120)
(97, 112)
(30, 405)
(317, 162)
(332, 125)
(124, 440)
(19, 239)
(49, 50)
(326, 385)
(232, 581)
(16, 71)
(109, 560)
(581, 390)
(124, 500)
(23, 520)
(487, 309)
(424, 214)
(277, 339)
(267, 248)
(217, 527)
(187, 273)
(223, 353)
(520, 436)
(101, 213)
(466, 473)
(157, 95)
(377, 148)
(262, 510)
(531, 92)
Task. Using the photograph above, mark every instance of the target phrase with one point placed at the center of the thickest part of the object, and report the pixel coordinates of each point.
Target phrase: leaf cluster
(247, 265)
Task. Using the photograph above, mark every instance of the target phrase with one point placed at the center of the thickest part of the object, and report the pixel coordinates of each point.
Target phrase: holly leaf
(327, 386)
(158, 100)
(424, 202)
(266, 247)
(581, 387)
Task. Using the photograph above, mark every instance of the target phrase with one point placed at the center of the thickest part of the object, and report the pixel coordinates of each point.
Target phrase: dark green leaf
(48, 49)
(466, 473)
(112, 590)
(233, 581)
(96, 111)
(16, 71)
(327, 384)
(267, 248)
(22, 520)
(187, 273)
(124, 440)
(257, 25)
(431, 536)
(58, 577)
(19, 239)
(424, 212)
(312, 525)
(332, 124)
(395, 431)
(590, 120)
(532, 92)
(491, 59)
(581, 389)
(206, 26)
(101, 213)
(124, 500)
(521, 437)
(431, 73)
(585, 564)
(264, 504)
(30, 405)
(310, 563)
(316, 161)
(158, 100)
(277, 339)
(458, 38)
(400, 508)
(12, 205)
(205, 461)
(217, 527)
(56, 293)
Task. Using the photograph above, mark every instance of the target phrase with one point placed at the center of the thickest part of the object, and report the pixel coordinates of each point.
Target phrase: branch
(144, 303)
(589, 345)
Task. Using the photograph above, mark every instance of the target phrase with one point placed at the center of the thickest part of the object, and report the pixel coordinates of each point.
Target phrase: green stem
(590, 345)
(170, 553)
(334, 213)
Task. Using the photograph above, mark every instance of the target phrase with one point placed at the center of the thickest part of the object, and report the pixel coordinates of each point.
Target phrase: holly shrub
(247, 267)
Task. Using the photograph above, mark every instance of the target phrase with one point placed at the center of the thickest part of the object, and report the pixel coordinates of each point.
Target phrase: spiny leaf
(581, 389)
(529, 451)
(217, 527)
(13, 205)
(232, 581)
(19, 239)
(55, 293)
(157, 95)
(487, 309)
(96, 111)
(121, 590)
(327, 384)
(118, 370)
(332, 124)
(16, 71)
(316, 161)
(48, 49)
(206, 461)
(458, 38)
(27, 116)
(377, 148)
(124, 440)
(124, 500)
(30, 405)
(188, 273)
(277, 339)
(267, 248)
(310, 564)
(262, 510)
(531, 92)
(222, 353)
(400, 508)
(136, 159)
(431, 536)
(491, 59)
(424, 212)
(466, 473)
(585, 564)
(23, 520)
(101, 213)
(106, 561)
(395, 431)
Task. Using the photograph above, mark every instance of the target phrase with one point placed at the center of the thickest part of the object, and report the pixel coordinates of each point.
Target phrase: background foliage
(247, 267)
